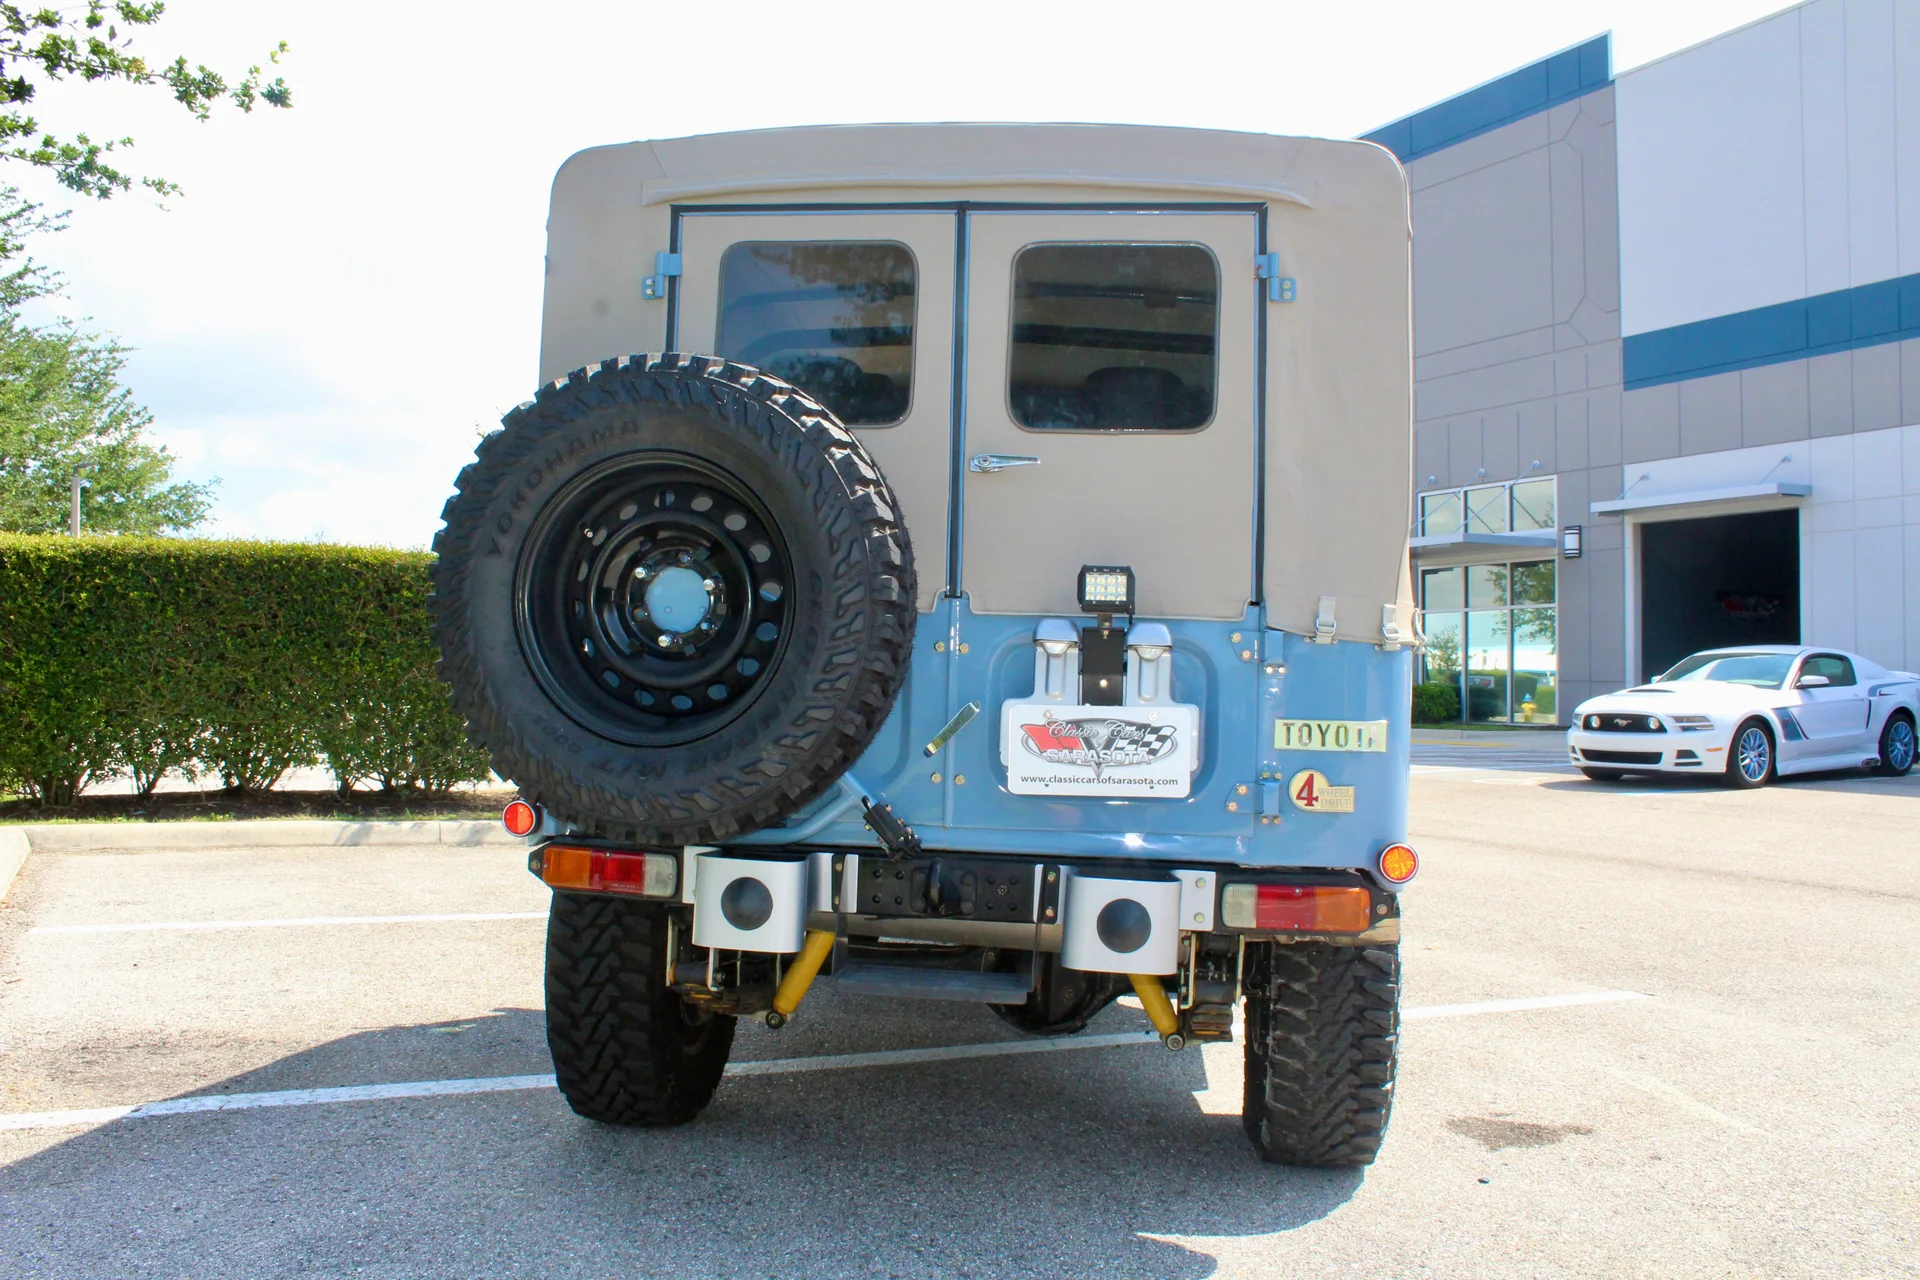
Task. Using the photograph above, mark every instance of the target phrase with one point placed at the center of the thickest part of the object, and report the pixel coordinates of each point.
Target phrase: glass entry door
(1110, 409)
(856, 309)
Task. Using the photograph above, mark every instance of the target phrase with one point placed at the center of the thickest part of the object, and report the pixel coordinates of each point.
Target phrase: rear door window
(1114, 337)
(835, 318)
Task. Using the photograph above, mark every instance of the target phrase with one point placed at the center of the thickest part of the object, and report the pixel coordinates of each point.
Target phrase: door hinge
(654, 287)
(1279, 288)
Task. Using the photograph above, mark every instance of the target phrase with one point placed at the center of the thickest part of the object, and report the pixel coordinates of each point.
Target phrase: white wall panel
(1906, 111)
(1876, 464)
(1823, 106)
(1775, 162)
(1910, 589)
(1879, 611)
(1711, 212)
(1872, 202)
(1826, 590)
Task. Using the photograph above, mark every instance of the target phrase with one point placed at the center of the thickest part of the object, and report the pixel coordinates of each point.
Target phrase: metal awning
(1771, 489)
(1490, 543)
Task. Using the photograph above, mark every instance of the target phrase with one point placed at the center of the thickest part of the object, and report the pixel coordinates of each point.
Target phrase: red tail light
(1290, 908)
(651, 875)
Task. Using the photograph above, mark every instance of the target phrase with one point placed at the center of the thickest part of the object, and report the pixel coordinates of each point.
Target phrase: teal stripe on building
(1561, 77)
(1865, 316)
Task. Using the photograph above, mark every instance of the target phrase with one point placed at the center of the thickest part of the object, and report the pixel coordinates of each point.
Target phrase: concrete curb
(14, 847)
(263, 833)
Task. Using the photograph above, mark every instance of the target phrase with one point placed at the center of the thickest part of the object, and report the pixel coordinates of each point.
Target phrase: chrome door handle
(991, 462)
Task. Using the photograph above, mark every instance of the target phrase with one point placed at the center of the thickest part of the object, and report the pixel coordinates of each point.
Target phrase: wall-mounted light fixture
(1570, 541)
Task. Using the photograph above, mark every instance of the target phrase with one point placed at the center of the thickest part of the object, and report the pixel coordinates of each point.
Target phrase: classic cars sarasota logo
(1098, 743)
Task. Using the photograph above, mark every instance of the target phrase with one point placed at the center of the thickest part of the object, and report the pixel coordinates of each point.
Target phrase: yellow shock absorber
(1153, 998)
(800, 975)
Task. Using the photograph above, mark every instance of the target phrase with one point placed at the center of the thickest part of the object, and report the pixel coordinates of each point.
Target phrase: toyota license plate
(1052, 749)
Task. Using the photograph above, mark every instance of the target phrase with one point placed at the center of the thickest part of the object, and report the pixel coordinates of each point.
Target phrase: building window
(1114, 337)
(1493, 636)
(1439, 514)
(834, 318)
(1522, 506)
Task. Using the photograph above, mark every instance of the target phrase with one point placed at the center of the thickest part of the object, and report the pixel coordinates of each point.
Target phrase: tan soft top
(1339, 359)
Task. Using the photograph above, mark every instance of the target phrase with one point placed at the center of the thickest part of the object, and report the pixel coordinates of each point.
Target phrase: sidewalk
(1547, 740)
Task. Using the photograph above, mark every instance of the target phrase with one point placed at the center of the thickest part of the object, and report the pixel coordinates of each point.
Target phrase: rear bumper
(1006, 902)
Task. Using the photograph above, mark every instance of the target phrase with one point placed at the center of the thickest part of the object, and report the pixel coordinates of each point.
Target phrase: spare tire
(674, 598)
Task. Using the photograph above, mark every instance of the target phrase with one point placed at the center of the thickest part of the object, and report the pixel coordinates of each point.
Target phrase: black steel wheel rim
(652, 598)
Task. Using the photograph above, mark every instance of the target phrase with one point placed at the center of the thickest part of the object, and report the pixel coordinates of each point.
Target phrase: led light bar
(1106, 589)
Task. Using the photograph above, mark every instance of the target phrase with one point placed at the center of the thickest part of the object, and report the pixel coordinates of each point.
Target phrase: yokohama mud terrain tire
(1322, 1040)
(626, 1048)
(674, 598)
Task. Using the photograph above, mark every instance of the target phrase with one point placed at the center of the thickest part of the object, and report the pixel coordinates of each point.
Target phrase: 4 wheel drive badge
(1098, 743)
(1310, 790)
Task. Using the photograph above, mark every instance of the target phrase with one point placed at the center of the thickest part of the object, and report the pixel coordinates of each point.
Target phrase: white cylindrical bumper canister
(1122, 926)
(750, 904)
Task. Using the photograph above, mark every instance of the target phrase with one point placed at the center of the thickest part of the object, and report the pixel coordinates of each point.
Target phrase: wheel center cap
(677, 600)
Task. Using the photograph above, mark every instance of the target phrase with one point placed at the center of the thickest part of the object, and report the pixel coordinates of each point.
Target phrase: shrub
(136, 655)
(1434, 703)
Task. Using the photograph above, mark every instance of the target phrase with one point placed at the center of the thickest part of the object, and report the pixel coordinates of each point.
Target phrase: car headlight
(1693, 724)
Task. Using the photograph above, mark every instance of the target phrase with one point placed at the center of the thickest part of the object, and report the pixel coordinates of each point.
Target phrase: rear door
(855, 308)
(1117, 352)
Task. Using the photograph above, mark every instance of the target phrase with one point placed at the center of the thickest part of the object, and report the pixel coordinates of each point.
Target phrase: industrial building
(1667, 358)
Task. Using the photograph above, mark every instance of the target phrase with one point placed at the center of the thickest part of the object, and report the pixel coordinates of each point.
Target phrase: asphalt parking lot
(1752, 1113)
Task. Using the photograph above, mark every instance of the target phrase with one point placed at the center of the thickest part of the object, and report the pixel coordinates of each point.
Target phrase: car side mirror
(1813, 682)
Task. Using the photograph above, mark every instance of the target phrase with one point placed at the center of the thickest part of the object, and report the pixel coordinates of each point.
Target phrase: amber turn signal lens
(567, 867)
(520, 818)
(1398, 863)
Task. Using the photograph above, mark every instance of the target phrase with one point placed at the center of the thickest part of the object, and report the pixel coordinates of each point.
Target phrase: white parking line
(764, 1067)
(304, 922)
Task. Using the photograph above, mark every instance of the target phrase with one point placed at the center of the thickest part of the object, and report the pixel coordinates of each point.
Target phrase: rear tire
(1603, 775)
(626, 1048)
(1750, 759)
(1898, 747)
(1322, 1041)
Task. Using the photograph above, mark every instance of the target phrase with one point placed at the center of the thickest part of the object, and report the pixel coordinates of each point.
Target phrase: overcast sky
(349, 291)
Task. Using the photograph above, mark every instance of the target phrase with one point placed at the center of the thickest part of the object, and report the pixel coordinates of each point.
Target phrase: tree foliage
(91, 44)
(62, 412)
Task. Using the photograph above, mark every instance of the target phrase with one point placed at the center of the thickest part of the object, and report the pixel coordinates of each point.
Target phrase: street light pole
(73, 512)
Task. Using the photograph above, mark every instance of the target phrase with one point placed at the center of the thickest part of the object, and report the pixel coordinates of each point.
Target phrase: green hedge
(235, 659)
(1435, 703)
